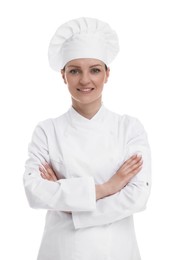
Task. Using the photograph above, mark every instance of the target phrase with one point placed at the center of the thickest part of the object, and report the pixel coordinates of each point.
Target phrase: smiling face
(85, 79)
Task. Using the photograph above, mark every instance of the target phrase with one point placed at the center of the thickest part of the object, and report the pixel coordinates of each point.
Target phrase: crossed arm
(117, 182)
(120, 196)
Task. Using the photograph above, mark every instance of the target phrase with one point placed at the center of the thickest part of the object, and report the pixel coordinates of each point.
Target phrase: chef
(90, 168)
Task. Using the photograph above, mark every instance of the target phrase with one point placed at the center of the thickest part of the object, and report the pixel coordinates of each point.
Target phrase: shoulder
(130, 122)
(48, 125)
(125, 119)
(126, 124)
(132, 130)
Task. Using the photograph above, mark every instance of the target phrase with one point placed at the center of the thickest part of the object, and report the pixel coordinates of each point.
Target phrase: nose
(85, 78)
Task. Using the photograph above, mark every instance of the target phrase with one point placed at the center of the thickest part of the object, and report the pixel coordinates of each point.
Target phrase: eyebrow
(76, 66)
(95, 65)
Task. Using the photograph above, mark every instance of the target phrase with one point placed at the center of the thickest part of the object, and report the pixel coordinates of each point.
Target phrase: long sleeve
(63, 195)
(133, 197)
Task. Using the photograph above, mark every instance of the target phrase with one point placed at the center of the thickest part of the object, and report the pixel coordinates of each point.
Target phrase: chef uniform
(85, 152)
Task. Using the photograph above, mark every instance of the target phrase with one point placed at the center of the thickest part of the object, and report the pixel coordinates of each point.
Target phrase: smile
(85, 90)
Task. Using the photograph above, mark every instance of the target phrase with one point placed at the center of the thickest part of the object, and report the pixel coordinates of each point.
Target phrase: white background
(141, 84)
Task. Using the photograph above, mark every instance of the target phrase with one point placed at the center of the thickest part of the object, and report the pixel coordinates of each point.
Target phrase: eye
(95, 70)
(74, 71)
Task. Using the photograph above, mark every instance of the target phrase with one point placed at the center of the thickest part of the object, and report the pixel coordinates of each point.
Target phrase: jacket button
(147, 183)
(29, 173)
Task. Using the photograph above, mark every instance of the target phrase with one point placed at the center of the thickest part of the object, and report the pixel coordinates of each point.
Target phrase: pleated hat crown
(82, 38)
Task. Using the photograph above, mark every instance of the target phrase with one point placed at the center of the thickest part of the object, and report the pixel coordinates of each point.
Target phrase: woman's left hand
(47, 172)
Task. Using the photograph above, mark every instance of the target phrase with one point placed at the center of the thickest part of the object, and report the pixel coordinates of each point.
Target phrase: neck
(87, 110)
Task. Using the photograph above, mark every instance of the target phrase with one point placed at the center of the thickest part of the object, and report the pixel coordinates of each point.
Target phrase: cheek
(72, 86)
(101, 81)
(72, 81)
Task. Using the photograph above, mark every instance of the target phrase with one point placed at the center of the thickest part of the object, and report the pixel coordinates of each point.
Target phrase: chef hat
(82, 38)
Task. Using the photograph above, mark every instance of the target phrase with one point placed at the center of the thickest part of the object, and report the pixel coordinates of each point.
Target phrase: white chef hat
(82, 38)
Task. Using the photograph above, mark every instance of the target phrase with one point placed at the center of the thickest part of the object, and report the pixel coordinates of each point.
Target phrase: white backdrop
(141, 84)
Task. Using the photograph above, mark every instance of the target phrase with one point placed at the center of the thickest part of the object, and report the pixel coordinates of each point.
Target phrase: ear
(107, 74)
(63, 76)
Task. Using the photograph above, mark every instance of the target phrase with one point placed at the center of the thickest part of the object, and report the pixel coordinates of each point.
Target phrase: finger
(133, 160)
(50, 172)
(134, 172)
(130, 159)
(48, 169)
(132, 167)
(42, 169)
(45, 174)
(137, 164)
(54, 178)
(134, 164)
(135, 169)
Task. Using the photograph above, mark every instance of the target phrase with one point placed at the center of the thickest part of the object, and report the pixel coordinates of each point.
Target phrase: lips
(85, 90)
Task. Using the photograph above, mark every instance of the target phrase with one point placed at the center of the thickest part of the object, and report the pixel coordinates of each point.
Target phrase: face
(85, 79)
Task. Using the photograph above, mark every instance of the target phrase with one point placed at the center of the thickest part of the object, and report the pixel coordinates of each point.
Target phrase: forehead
(85, 62)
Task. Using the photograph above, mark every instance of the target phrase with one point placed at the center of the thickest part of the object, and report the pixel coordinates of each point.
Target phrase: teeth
(85, 89)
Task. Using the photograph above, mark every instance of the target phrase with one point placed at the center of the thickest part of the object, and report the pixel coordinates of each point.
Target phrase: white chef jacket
(83, 153)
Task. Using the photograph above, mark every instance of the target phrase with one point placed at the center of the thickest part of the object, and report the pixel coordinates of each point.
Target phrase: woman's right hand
(47, 172)
(120, 179)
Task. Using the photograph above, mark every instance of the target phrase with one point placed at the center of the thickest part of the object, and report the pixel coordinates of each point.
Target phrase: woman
(90, 167)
